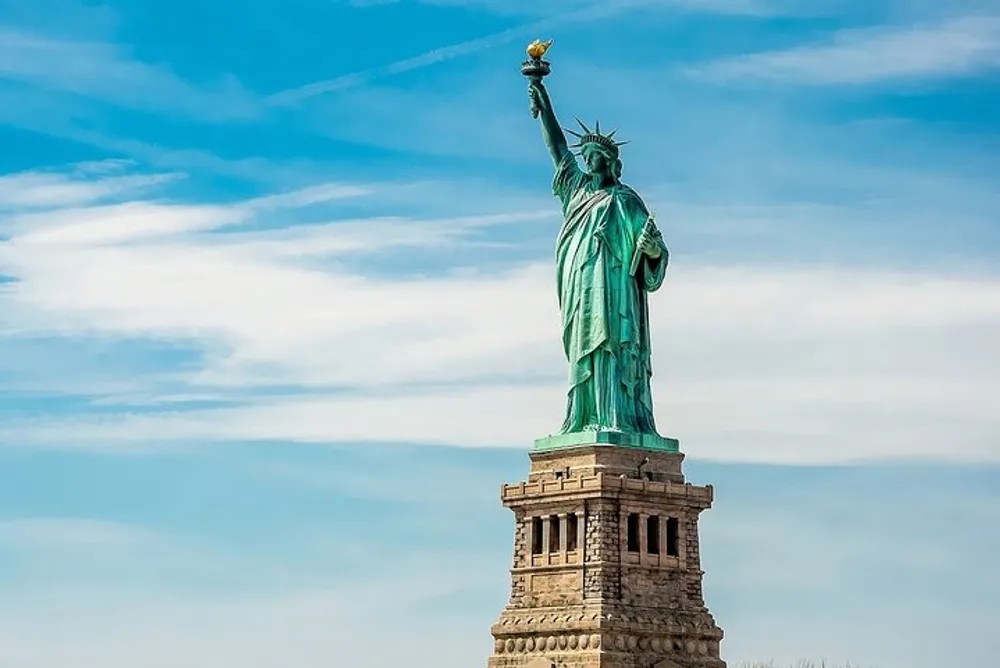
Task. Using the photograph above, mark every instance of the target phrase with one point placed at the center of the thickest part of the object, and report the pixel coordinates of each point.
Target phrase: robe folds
(603, 281)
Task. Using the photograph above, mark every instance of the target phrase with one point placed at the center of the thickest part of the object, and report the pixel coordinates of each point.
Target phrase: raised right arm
(553, 134)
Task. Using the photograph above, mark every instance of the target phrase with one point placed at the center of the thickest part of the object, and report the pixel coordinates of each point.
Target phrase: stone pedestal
(607, 572)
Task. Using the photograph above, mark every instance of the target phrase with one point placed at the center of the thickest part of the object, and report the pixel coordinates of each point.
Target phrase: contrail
(293, 95)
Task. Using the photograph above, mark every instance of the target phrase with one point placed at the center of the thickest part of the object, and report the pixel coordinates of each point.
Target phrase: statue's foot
(600, 427)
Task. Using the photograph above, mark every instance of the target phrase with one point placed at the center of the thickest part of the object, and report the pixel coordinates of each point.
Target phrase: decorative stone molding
(542, 489)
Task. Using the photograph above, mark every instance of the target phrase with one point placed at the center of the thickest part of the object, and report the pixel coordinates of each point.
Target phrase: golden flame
(538, 48)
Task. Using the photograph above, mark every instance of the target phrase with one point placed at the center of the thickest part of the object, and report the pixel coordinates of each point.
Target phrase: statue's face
(598, 163)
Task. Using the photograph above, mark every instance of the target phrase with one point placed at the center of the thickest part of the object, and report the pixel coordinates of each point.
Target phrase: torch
(535, 68)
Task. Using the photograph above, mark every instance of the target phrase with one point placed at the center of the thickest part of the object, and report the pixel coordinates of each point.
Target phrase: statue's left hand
(648, 245)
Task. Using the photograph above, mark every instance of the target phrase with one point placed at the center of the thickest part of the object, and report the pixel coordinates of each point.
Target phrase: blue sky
(277, 318)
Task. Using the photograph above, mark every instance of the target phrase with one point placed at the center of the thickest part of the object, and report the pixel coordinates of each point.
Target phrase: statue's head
(600, 152)
(601, 162)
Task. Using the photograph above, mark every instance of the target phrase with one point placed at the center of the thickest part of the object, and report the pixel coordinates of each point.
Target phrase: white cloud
(317, 194)
(132, 220)
(117, 223)
(959, 46)
(752, 363)
(51, 189)
(369, 235)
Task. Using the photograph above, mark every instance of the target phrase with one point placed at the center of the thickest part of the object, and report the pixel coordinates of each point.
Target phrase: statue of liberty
(609, 255)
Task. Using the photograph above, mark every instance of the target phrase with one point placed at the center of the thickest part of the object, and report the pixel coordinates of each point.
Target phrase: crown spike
(595, 137)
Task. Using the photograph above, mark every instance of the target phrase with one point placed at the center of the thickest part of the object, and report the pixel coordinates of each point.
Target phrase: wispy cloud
(752, 363)
(558, 16)
(315, 194)
(62, 533)
(109, 73)
(306, 626)
(87, 183)
(296, 95)
(89, 582)
(528, 7)
(49, 551)
(959, 46)
(132, 220)
(118, 222)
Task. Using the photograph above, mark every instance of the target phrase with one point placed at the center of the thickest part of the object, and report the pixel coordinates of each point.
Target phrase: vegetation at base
(800, 664)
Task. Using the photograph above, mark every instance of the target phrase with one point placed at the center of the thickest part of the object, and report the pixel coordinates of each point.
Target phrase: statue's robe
(602, 281)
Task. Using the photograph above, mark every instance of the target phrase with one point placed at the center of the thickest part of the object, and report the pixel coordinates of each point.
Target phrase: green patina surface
(599, 437)
(609, 257)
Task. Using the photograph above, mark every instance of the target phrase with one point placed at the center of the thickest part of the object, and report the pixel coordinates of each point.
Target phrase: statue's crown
(595, 137)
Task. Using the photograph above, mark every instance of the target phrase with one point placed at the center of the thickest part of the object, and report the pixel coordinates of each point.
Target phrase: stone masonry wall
(651, 587)
(602, 569)
(692, 555)
(601, 605)
(689, 534)
(522, 531)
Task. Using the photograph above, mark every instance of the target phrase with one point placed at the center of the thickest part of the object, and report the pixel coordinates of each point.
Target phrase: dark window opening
(536, 535)
(554, 533)
(633, 532)
(572, 529)
(672, 537)
(653, 535)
